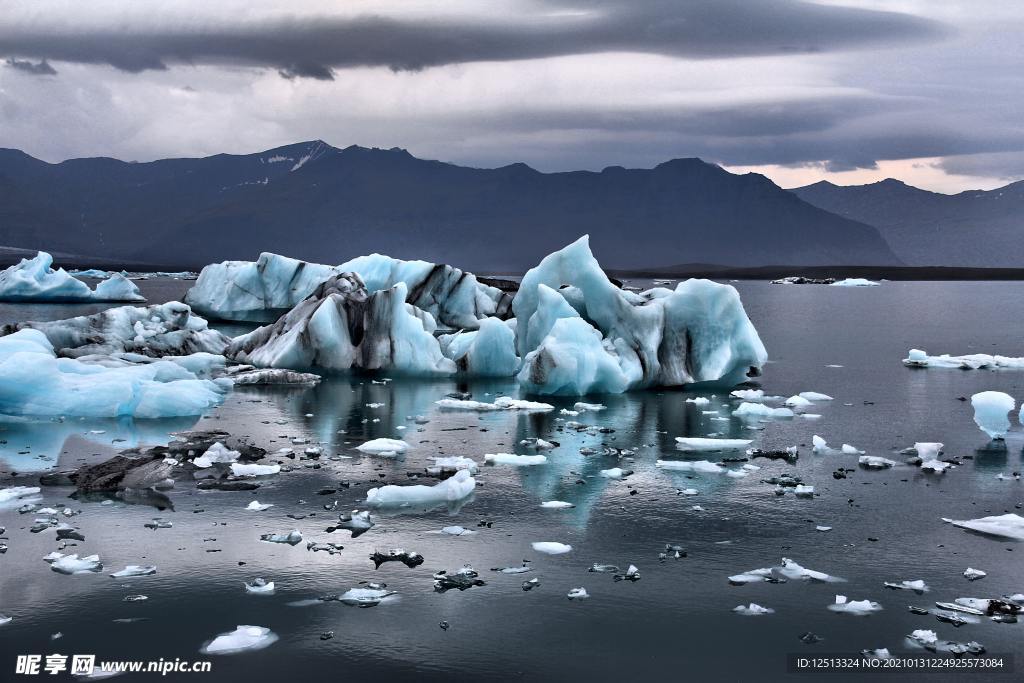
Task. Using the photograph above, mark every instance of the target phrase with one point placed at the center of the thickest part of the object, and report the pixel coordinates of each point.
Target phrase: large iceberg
(696, 333)
(990, 412)
(35, 280)
(264, 290)
(340, 326)
(35, 383)
(489, 351)
(163, 330)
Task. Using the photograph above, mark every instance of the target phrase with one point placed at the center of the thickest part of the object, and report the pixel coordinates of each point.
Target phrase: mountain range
(973, 228)
(317, 202)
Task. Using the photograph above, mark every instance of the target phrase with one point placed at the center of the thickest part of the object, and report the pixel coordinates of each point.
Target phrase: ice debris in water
(242, 639)
(134, 570)
(990, 412)
(217, 453)
(593, 407)
(455, 488)
(294, 537)
(759, 411)
(259, 587)
(258, 506)
(844, 605)
(578, 593)
(512, 459)
(409, 558)
(819, 444)
(72, 564)
(461, 579)
(814, 396)
(556, 505)
(789, 569)
(4, 620)
(370, 596)
(501, 403)
(701, 466)
(631, 574)
(35, 280)
(917, 585)
(1004, 526)
(356, 522)
(876, 462)
(457, 531)
(929, 640)
(551, 547)
(917, 358)
(253, 470)
(797, 402)
(847, 449)
(684, 443)
(752, 610)
(451, 464)
(613, 473)
(518, 569)
(13, 493)
(384, 447)
(854, 282)
(972, 574)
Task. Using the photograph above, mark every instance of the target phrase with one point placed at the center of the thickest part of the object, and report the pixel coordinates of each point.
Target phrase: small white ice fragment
(859, 608)
(1003, 526)
(685, 443)
(578, 594)
(258, 506)
(381, 446)
(512, 459)
(253, 470)
(259, 587)
(556, 505)
(974, 574)
(752, 610)
(243, 638)
(135, 570)
(551, 547)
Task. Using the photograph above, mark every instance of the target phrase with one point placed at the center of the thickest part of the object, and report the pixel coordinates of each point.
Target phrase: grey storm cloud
(312, 47)
(41, 68)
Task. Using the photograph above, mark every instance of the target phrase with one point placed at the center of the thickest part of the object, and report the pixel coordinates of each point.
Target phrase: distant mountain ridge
(974, 228)
(314, 201)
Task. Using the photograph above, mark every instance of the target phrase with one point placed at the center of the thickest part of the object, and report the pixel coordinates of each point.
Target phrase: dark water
(675, 622)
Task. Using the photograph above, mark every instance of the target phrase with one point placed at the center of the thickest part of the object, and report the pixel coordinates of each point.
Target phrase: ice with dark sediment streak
(35, 280)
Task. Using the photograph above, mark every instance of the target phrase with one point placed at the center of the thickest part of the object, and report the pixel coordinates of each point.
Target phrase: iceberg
(489, 351)
(556, 505)
(854, 282)
(257, 506)
(34, 383)
(696, 333)
(35, 280)
(168, 329)
(578, 593)
(73, 564)
(455, 488)
(705, 444)
(242, 639)
(1002, 526)
(814, 396)
(340, 327)
(917, 358)
(990, 412)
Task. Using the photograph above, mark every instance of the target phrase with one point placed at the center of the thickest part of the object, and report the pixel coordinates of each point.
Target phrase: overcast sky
(928, 91)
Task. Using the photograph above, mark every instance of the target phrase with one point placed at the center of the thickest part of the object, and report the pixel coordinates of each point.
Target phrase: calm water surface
(676, 621)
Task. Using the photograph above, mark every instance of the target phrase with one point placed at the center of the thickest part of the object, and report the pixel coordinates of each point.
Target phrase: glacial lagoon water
(676, 621)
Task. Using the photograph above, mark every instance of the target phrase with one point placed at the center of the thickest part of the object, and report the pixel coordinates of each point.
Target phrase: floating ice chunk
(854, 282)
(409, 558)
(877, 653)
(384, 446)
(990, 412)
(1003, 526)
(35, 280)
(593, 407)
(556, 505)
(538, 444)
(752, 576)
(218, 452)
(792, 570)
(13, 493)
(4, 620)
(551, 547)
(703, 466)
(242, 639)
(270, 377)
(928, 450)
(972, 574)
(451, 464)
(253, 470)
(851, 450)
(518, 569)
(859, 608)
(820, 445)
(699, 400)
(461, 579)
(259, 587)
(501, 403)
(685, 443)
(512, 459)
(613, 473)
(457, 531)
(976, 361)
(876, 462)
(814, 396)
(759, 411)
(134, 570)
(917, 585)
(578, 593)
(358, 523)
(936, 466)
(365, 597)
(752, 610)
(455, 488)
(294, 537)
(797, 402)
(72, 564)
(258, 506)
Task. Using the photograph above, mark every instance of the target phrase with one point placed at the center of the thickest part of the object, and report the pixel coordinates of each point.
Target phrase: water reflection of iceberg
(35, 446)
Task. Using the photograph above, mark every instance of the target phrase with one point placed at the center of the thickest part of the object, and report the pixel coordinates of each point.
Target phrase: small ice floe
(631, 574)
(593, 407)
(604, 568)
(800, 491)
(384, 447)
(13, 493)
(822, 528)
(917, 358)
(792, 570)
(356, 522)
(512, 459)
(752, 610)
(531, 584)
(972, 574)
(329, 548)
(990, 412)
(854, 282)
(570, 413)
(685, 443)
(217, 453)
(72, 564)
(875, 462)
(759, 411)
(516, 569)
(242, 639)
(453, 489)
(551, 547)
(819, 444)
(457, 531)
(704, 467)
(461, 579)
(253, 470)
(750, 394)
(135, 570)
(374, 406)
(538, 444)
(687, 492)
(502, 403)
(369, 596)
(851, 450)
(917, 585)
(755, 576)
(451, 464)
(877, 653)
(814, 396)
(614, 473)
(556, 505)
(929, 640)
(858, 608)
(292, 538)
(4, 620)
(258, 506)
(409, 558)
(259, 587)
(699, 400)
(1014, 477)
(157, 523)
(578, 593)
(796, 402)
(1003, 526)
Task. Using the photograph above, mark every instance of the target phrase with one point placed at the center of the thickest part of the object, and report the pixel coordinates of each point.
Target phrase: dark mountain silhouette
(314, 201)
(973, 228)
